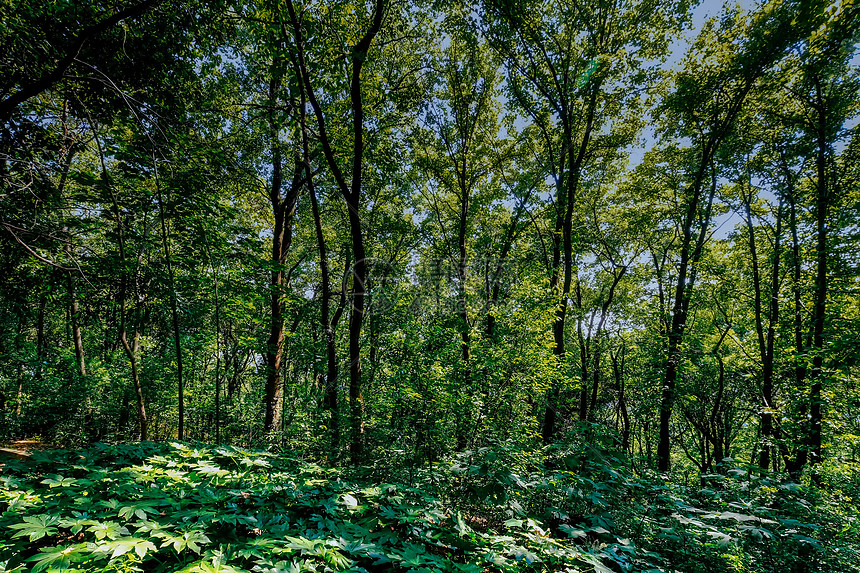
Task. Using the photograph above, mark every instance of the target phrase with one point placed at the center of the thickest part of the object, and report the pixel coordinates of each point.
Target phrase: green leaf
(59, 481)
(77, 522)
(215, 566)
(124, 545)
(109, 529)
(139, 509)
(573, 532)
(36, 527)
(188, 539)
(55, 557)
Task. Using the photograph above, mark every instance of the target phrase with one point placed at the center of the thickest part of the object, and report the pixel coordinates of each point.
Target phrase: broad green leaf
(55, 557)
(125, 545)
(108, 529)
(36, 527)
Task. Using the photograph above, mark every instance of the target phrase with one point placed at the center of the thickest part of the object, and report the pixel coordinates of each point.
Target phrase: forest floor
(198, 508)
(20, 449)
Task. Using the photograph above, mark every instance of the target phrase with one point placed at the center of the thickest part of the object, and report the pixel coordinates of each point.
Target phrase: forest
(412, 285)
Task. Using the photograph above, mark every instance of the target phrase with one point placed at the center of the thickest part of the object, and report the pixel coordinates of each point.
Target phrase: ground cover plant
(181, 507)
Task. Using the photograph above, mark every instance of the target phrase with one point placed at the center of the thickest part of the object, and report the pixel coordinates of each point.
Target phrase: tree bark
(765, 335)
(174, 311)
(284, 212)
(796, 463)
(77, 336)
(132, 351)
(352, 197)
(464, 413)
(327, 321)
(562, 267)
(822, 204)
(618, 371)
(691, 253)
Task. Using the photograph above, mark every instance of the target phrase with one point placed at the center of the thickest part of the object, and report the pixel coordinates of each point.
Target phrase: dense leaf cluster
(179, 507)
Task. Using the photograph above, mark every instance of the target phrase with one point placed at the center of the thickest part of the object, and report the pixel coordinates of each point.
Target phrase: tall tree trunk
(19, 396)
(822, 204)
(329, 324)
(562, 267)
(19, 339)
(765, 335)
(40, 334)
(595, 378)
(217, 365)
(284, 212)
(77, 337)
(174, 311)
(217, 337)
(352, 197)
(796, 463)
(356, 319)
(584, 340)
(693, 241)
(132, 351)
(327, 321)
(618, 373)
(275, 343)
(464, 412)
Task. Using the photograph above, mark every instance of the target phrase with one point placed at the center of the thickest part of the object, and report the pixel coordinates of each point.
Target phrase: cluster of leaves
(177, 507)
(735, 519)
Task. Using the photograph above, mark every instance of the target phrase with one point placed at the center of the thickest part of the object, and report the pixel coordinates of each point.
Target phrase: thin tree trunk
(822, 204)
(40, 334)
(217, 339)
(20, 367)
(284, 212)
(275, 344)
(19, 397)
(463, 418)
(328, 322)
(352, 197)
(132, 351)
(584, 340)
(174, 311)
(618, 372)
(217, 366)
(77, 337)
(560, 282)
(795, 465)
(356, 319)
(691, 253)
(765, 336)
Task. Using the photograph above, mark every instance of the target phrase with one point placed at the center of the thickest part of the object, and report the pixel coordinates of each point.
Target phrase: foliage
(573, 507)
(509, 257)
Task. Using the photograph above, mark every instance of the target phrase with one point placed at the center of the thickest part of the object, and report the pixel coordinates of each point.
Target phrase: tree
(571, 73)
(710, 94)
(351, 192)
(461, 152)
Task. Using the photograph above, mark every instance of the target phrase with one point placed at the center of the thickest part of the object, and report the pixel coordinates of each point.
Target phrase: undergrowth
(179, 507)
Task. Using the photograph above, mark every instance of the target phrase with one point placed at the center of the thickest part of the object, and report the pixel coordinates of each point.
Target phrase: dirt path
(21, 449)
